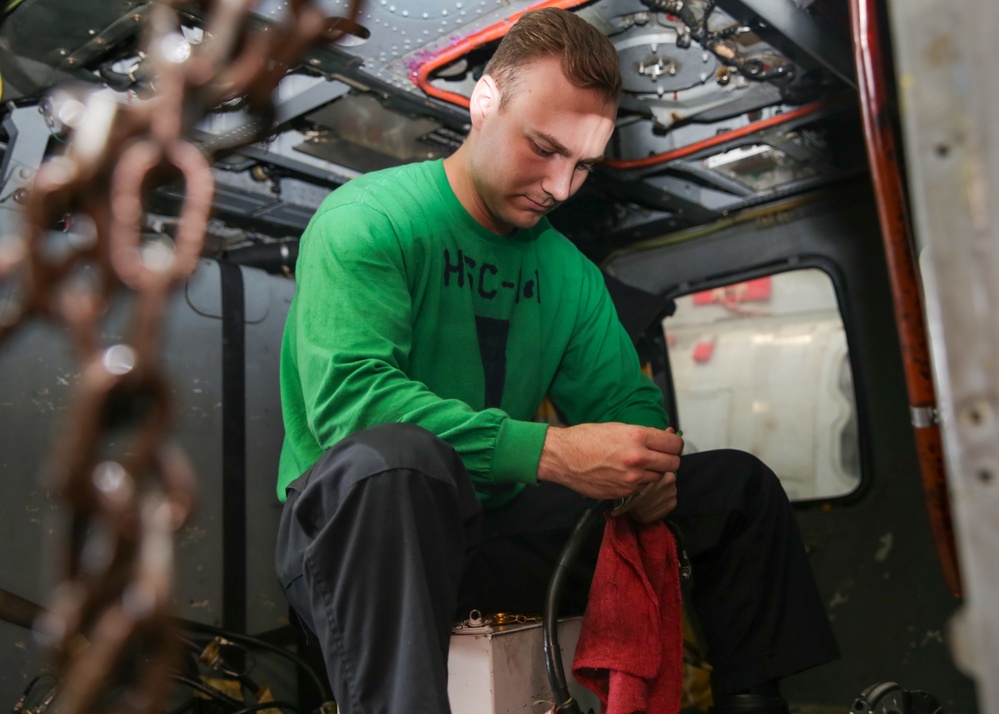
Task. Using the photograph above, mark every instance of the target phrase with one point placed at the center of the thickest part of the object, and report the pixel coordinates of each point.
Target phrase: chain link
(127, 486)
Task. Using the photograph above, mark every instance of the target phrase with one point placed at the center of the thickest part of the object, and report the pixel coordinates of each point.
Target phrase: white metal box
(501, 670)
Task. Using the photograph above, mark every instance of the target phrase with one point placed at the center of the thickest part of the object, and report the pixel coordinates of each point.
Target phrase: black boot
(750, 703)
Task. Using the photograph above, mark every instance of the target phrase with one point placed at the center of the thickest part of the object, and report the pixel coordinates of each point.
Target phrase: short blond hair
(587, 57)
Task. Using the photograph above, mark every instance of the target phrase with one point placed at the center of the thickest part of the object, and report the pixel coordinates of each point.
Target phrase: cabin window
(763, 366)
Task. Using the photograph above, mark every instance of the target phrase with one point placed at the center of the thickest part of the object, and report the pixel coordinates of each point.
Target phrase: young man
(435, 309)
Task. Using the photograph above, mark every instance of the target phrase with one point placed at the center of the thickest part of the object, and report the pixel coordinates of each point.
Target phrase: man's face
(535, 152)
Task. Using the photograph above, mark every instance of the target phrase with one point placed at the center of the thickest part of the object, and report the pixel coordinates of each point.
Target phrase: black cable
(260, 706)
(9, 8)
(183, 707)
(704, 19)
(226, 699)
(553, 655)
(321, 685)
(210, 691)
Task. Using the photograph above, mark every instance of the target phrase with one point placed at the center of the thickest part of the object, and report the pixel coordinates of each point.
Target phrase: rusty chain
(127, 486)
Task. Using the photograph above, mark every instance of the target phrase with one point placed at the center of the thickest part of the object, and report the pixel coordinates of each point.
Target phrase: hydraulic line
(420, 75)
(752, 128)
(883, 155)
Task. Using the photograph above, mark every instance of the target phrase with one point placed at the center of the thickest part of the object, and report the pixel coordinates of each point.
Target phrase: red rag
(630, 649)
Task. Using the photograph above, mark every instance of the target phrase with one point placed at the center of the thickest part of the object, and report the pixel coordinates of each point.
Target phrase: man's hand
(653, 503)
(611, 460)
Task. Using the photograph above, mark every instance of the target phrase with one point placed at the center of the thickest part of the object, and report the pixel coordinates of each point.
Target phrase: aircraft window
(763, 366)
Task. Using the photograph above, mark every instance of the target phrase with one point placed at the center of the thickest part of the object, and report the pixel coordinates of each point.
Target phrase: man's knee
(363, 479)
(399, 453)
(388, 447)
(409, 445)
(757, 477)
(401, 448)
(732, 476)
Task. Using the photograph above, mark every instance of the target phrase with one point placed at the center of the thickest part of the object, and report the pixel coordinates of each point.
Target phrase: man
(435, 308)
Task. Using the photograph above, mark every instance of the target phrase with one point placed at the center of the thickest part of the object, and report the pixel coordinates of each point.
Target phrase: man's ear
(485, 99)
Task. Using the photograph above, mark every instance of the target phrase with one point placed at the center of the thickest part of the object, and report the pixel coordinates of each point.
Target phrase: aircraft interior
(756, 213)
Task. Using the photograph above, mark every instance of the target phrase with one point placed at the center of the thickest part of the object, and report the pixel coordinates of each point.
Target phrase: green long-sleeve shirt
(407, 310)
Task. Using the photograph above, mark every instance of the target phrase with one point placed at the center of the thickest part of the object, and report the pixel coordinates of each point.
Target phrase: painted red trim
(896, 231)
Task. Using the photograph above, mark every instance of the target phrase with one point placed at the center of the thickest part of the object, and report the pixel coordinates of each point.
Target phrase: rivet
(977, 414)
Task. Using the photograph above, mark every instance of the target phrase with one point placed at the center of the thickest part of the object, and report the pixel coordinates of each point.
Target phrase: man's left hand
(654, 502)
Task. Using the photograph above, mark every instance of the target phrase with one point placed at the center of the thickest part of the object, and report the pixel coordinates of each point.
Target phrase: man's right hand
(610, 460)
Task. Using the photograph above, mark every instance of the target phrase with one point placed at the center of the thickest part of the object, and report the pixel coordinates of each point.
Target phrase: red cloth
(630, 649)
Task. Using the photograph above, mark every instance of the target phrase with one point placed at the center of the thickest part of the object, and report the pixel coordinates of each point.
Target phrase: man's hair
(587, 57)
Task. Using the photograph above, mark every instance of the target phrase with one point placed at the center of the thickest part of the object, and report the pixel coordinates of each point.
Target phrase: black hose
(553, 655)
(321, 686)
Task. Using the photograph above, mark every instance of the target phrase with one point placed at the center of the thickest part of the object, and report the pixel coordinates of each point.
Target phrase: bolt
(21, 195)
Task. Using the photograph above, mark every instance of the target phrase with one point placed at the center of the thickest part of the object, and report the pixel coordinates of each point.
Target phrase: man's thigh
(520, 545)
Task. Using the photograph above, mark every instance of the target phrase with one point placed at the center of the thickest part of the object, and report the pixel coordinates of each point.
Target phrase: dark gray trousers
(383, 544)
